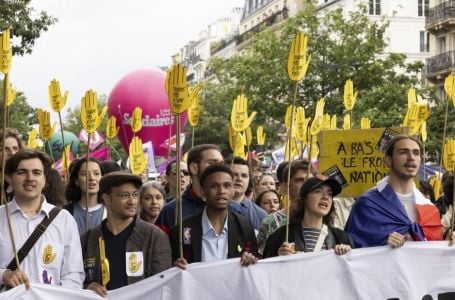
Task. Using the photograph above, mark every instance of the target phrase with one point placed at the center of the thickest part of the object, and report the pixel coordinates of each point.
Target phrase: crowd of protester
(99, 215)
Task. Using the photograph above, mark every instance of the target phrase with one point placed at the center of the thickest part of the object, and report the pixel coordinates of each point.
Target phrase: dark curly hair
(73, 192)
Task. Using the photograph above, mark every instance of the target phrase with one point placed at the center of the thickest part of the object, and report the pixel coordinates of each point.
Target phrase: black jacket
(241, 237)
(335, 236)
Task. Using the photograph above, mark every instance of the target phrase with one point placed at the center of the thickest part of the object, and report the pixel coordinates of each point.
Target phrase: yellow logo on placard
(133, 264)
(48, 255)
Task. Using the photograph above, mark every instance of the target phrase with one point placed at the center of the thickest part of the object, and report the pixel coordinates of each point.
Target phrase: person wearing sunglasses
(171, 178)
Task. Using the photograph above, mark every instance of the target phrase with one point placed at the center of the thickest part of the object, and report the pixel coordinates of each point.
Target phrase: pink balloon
(144, 89)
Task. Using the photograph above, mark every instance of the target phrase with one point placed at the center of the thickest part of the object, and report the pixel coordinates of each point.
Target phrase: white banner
(414, 271)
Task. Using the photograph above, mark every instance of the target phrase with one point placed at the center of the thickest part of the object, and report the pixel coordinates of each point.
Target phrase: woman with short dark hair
(310, 228)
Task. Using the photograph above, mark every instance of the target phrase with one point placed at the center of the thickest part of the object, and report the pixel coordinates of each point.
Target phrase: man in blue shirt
(241, 171)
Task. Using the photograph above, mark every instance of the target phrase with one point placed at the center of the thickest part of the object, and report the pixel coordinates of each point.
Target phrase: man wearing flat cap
(133, 249)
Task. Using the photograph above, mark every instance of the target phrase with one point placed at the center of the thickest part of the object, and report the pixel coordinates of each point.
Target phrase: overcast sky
(97, 42)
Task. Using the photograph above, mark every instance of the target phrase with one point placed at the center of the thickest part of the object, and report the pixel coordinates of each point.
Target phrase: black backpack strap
(30, 242)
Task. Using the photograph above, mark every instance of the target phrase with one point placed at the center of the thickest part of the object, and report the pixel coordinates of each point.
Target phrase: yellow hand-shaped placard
(32, 142)
(347, 122)
(90, 118)
(448, 159)
(232, 136)
(297, 60)
(314, 151)
(412, 97)
(326, 121)
(436, 184)
(423, 131)
(316, 125)
(10, 92)
(333, 122)
(349, 95)
(111, 128)
(248, 136)
(194, 111)
(48, 255)
(365, 123)
(45, 129)
(294, 150)
(105, 270)
(239, 114)
(287, 116)
(449, 87)
(55, 96)
(239, 150)
(66, 160)
(6, 52)
(410, 119)
(260, 135)
(136, 120)
(176, 86)
(301, 124)
(138, 159)
(133, 264)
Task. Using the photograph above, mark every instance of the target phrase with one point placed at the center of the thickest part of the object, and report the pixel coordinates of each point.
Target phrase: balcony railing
(240, 38)
(440, 62)
(440, 13)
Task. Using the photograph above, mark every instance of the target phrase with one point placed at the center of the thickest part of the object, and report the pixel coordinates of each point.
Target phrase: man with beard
(395, 210)
(135, 249)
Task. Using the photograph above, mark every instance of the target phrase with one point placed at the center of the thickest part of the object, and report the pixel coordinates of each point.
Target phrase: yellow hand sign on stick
(333, 122)
(90, 118)
(10, 92)
(412, 97)
(66, 160)
(239, 114)
(449, 87)
(287, 117)
(194, 112)
(136, 120)
(326, 122)
(138, 159)
(32, 142)
(248, 136)
(111, 128)
(105, 270)
(365, 123)
(347, 122)
(6, 52)
(55, 96)
(423, 132)
(349, 95)
(448, 158)
(260, 135)
(301, 124)
(297, 59)
(436, 183)
(45, 129)
(316, 125)
(176, 86)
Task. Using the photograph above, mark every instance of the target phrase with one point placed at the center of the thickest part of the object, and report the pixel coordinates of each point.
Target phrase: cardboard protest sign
(355, 157)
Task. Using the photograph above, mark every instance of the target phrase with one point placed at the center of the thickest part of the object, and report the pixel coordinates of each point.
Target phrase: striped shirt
(311, 235)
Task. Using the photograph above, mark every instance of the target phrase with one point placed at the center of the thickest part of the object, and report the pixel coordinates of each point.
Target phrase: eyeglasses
(183, 172)
(126, 195)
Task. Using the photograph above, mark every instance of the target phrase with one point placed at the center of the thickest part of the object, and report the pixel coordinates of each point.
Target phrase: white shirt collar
(45, 206)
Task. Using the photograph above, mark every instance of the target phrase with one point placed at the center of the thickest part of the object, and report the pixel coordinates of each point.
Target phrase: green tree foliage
(341, 47)
(25, 22)
(20, 114)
